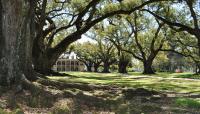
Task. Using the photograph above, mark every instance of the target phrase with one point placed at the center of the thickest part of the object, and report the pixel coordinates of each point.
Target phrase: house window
(68, 63)
(59, 63)
(59, 69)
(72, 63)
(63, 63)
(77, 63)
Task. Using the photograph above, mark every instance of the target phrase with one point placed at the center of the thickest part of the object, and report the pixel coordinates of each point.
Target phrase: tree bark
(89, 66)
(148, 67)
(122, 66)
(15, 41)
(106, 68)
(43, 63)
(197, 68)
(198, 64)
(45, 59)
(61, 47)
(96, 67)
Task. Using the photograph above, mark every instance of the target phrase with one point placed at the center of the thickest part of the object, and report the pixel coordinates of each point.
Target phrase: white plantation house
(68, 62)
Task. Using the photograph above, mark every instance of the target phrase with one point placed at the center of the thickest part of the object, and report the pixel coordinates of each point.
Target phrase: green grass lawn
(168, 82)
(182, 88)
(179, 93)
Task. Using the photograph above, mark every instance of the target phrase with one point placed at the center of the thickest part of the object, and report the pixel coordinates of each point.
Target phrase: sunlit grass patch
(167, 82)
(187, 102)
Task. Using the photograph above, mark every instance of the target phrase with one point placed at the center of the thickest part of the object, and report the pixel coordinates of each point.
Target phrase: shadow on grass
(97, 78)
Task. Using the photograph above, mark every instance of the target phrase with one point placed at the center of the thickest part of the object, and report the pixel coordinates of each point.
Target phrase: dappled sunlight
(100, 57)
(166, 82)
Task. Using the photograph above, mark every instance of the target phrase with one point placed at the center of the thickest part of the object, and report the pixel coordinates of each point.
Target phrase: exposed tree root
(51, 73)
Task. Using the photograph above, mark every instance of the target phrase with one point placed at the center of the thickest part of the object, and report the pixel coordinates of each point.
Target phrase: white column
(56, 66)
(65, 64)
(69, 64)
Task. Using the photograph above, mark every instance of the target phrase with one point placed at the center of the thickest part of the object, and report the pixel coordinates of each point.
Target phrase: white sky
(85, 39)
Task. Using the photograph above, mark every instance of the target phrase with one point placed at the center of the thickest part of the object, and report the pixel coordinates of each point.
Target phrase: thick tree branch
(181, 26)
(60, 9)
(193, 14)
(156, 36)
(73, 37)
(133, 54)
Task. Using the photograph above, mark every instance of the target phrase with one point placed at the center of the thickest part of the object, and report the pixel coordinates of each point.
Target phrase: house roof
(67, 55)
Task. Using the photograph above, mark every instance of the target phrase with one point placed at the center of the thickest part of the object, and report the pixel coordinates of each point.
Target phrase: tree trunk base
(197, 73)
(148, 68)
(43, 74)
(148, 71)
(33, 76)
(106, 68)
(122, 66)
(123, 71)
(105, 71)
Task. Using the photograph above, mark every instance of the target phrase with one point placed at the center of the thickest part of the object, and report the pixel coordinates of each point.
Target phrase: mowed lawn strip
(168, 82)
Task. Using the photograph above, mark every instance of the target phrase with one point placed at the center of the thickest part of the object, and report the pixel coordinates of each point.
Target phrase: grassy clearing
(107, 93)
(188, 102)
(167, 82)
(182, 90)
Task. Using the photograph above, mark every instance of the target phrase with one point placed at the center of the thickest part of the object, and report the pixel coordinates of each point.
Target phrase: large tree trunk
(15, 41)
(89, 66)
(43, 63)
(96, 67)
(197, 68)
(44, 59)
(148, 67)
(106, 67)
(198, 64)
(122, 66)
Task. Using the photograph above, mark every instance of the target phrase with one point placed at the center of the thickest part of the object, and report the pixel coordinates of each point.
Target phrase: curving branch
(181, 26)
(193, 14)
(60, 9)
(83, 29)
